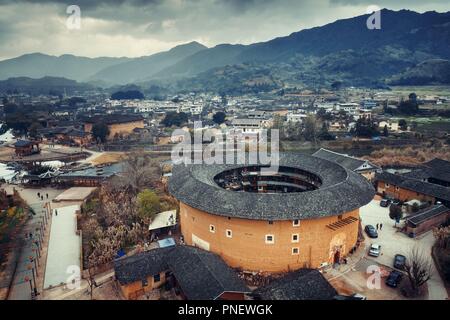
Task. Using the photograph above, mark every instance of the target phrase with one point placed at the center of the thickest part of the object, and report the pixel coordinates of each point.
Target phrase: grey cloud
(141, 27)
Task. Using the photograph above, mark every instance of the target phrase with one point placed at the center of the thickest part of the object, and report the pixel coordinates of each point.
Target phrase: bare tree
(442, 236)
(140, 171)
(91, 280)
(418, 267)
(311, 129)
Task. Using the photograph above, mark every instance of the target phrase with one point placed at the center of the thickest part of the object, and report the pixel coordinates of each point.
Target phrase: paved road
(20, 289)
(394, 242)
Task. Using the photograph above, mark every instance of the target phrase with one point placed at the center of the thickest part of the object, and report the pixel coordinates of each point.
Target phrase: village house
(252, 126)
(405, 188)
(88, 177)
(351, 108)
(436, 171)
(66, 135)
(193, 273)
(257, 114)
(296, 117)
(391, 126)
(118, 124)
(361, 166)
(337, 126)
(426, 219)
(26, 148)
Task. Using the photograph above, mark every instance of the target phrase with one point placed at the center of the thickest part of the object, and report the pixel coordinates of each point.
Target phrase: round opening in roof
(256, 179)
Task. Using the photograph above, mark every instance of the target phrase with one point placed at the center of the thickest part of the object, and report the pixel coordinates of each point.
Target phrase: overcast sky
(140, 27)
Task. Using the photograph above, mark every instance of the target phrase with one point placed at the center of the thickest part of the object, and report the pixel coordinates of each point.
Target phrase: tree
(403, 124)
(442, 236)
(365, 127)
(418, 268)
(140, 171)
(310, 129)
(336, 85)
(18, 120)
(219, 117)
(410, 106)
(33, 129)
(325, 134)
(127, 95)
(277, 122)
(175, 119)
(100, 131)
(324, 115)
(395, 213)
(223, 98)
(148, 204)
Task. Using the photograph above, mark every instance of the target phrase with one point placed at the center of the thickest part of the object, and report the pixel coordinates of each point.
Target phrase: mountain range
(45, 85)
(345, 50)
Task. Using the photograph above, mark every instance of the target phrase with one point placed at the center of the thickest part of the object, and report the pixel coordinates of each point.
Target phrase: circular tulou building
(305, 214)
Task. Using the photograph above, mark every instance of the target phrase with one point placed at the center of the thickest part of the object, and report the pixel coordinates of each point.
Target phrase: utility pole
(28, 279)
(32, 259)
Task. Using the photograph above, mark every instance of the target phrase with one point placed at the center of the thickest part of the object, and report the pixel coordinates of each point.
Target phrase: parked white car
(374, 250)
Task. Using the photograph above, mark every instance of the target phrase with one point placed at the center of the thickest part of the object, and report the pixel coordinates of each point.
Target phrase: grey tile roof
(341, 191)
(437, 191)
(94, 172)
(138, 267)
(418, 174)
(22, 143)
(437, 169)
(201, 275)
(240, 122)
(427, 213)
(113, 118)
(346, 161)
(438, 164)
(303, 284)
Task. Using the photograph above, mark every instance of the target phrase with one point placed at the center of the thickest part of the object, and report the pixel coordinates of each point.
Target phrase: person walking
(377, 226)
(381, 226)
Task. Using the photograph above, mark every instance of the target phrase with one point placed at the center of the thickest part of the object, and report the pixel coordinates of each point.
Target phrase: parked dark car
(399, 261)
(371, 231)
(385, 203)
(394, 279)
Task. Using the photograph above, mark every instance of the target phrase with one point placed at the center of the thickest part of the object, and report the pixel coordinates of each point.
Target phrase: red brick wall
(429, 224)
(402, 194)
